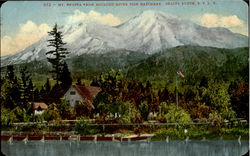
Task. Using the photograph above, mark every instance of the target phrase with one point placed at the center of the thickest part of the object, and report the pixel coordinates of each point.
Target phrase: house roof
(41, 104)
(87, 92)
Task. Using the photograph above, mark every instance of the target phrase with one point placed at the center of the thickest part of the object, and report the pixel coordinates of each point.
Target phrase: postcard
(95, 78)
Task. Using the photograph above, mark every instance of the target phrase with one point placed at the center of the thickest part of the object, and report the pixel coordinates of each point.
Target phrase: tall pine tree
(47, 87)
(65, 77)
(13, 93)
(56, 56)
(25, 87)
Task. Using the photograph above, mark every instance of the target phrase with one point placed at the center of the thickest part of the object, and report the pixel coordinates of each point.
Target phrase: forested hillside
(194, 62)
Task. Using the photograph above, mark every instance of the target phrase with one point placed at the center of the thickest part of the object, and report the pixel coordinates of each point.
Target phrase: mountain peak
(150, 13)
(155, 14)
(149, 32)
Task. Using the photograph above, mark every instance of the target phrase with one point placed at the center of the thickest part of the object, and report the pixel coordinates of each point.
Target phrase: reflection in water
(157, 148)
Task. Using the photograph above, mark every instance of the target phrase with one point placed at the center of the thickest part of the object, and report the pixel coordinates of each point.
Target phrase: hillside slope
(194, 62)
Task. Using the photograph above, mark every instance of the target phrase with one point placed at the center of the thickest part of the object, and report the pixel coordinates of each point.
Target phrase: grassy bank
(199, 133)
(160, 132)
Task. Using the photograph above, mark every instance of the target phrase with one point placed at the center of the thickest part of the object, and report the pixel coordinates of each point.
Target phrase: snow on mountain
(152, 31)
(149, 32)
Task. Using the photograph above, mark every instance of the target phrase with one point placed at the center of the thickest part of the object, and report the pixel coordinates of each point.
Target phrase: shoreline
(73, 136)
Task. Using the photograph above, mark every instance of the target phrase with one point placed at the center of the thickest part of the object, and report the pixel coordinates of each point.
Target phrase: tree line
(207, 100)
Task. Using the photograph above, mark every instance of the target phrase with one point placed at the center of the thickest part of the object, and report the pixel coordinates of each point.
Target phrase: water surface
(103, 148)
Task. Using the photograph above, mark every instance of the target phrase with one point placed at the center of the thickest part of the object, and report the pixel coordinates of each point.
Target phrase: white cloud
(28, 34)
(232, 23)
(108, 19)
(213, 20)
(210, 20)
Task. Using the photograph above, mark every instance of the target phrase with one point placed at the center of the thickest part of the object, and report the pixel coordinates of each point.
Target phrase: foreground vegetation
(84, 127)
(199, 133)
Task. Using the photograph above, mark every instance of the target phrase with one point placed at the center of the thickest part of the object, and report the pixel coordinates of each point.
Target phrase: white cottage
(79, 93)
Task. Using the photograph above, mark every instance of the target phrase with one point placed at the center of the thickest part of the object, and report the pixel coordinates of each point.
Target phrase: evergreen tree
(45, 91)
(47, 86)
(37, 96)
(164, 95)
(144, 110)
(31, 90)
(65, 77)
(59, 52)
(55, 94)
(43, 94)
(27, 88)
(13, 93)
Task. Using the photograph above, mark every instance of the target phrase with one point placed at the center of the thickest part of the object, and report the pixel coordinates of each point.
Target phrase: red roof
(87, 92)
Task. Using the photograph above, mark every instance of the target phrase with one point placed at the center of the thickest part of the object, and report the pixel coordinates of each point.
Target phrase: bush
(21, 114)
(197, 110)
(7, 117)
(52, 113)
(177, 115)
(38, 118)
(83, 128)
(65, 110)
(128, 113)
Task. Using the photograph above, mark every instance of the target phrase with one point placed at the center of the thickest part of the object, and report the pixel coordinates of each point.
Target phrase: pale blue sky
(14, 14)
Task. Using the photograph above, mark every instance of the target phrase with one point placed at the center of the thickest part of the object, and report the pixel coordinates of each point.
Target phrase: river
(109, 148)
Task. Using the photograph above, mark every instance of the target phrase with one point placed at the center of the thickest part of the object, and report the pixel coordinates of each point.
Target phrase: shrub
(177, 115)
(143, 108)
(128, 113)
(52, 113)
(21, 114)
(7, 117)
(38, 118)
(83, 128)
(65, 110)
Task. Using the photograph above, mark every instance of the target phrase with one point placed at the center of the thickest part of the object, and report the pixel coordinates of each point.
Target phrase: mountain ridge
(148, 32)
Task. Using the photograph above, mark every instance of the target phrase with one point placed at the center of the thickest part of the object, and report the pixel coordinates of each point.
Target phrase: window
(72, 93)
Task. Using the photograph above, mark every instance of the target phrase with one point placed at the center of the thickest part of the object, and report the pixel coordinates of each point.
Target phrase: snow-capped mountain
(149, 32)
(152, 31)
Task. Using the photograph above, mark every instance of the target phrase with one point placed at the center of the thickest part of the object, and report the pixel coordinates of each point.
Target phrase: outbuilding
(38, 107)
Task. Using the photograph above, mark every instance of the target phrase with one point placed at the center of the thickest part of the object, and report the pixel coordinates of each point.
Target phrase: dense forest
(132, 99)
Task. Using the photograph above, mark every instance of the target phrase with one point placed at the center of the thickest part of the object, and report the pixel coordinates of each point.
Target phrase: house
(39, 107)
(79, 93)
